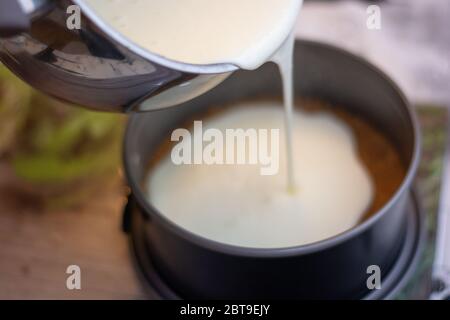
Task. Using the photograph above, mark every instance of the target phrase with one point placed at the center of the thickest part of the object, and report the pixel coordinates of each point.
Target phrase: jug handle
(13, 19)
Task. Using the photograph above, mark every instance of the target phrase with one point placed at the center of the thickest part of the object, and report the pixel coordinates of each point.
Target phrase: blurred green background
(55, 150)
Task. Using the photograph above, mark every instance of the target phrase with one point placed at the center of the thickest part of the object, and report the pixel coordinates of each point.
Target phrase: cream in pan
(235, 204)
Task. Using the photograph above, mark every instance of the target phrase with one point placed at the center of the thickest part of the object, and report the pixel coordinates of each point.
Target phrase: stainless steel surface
(441, 267)
(97, 67)
(34, 7)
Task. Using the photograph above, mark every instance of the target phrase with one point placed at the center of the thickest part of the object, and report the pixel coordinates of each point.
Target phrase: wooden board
(37, 246)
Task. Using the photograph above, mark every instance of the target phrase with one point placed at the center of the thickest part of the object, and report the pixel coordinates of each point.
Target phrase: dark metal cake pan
(335, 268)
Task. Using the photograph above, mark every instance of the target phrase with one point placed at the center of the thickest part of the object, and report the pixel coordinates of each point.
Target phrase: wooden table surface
(37, 246)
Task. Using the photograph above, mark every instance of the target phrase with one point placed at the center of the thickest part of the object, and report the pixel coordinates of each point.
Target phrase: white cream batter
(235, 204)
(243, 32)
